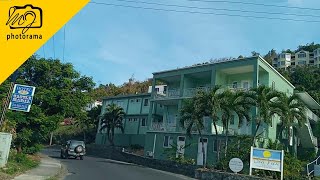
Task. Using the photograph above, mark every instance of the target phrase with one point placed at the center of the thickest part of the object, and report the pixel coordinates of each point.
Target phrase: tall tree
(111, 120)
(191, 117)
(292, 114)
(266, 99)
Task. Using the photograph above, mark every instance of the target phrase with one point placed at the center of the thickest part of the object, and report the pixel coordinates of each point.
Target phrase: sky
(111, 44)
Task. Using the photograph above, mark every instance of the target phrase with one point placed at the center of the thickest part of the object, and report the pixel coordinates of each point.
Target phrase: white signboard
(236, 165)
(5, 143)
(266, 159)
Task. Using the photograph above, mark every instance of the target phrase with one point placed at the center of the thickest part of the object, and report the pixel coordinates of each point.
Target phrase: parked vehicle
(73, 148)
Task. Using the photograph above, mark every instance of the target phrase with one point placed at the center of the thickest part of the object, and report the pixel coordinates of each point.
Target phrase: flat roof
(308, 100)
(127, 96)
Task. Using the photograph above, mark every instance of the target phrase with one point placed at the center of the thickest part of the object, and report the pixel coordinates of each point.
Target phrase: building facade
(183, 83)
(152, 119)
(301, 58)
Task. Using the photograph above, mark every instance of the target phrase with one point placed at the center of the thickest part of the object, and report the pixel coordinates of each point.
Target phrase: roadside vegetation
(19, 163)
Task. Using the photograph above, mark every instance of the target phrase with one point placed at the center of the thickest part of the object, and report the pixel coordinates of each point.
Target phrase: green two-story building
(157, 122)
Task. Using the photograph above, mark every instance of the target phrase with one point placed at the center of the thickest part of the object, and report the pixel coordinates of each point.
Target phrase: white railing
(312, 115)
(157, 126)
(171, 93)
(190, 92)
(313, 138)
(238, 87)
(310, 166)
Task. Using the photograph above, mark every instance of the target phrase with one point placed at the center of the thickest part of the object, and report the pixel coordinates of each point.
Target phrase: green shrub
(136, 147)
(18, 162)
(182, 160)
(33, 149)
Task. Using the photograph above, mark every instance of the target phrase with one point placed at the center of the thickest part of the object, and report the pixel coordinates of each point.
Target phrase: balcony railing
(190, 92)
(311, 115)
(160, 126)
(171, 93)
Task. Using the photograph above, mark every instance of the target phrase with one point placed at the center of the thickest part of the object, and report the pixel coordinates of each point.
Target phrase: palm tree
(112, 119)
(293, 113)
(191, 116)
(238, 102)
(267, 106)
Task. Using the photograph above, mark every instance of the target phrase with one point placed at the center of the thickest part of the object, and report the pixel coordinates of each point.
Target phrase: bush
(136, 147)
(19, 162)
(33, 149)
(183, 160)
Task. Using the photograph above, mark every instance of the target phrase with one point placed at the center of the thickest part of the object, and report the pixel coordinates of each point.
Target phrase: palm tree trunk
(112, 136)
(203, 152)
(226, 146)
(255, 133)
(218, 148)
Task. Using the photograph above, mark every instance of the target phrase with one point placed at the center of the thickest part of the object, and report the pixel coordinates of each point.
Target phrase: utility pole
(7, 99)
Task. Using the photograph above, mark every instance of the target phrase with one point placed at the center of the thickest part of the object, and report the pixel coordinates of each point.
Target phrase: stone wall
(209, 174)
(117, 154)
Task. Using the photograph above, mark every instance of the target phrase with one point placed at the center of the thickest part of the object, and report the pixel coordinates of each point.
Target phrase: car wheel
(81, 157)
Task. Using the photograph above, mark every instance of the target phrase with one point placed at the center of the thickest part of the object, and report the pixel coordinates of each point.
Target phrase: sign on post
(266, 159)
(21, 99)
(236, 165)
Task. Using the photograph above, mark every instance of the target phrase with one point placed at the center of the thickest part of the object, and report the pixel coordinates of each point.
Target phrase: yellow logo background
(14, 52)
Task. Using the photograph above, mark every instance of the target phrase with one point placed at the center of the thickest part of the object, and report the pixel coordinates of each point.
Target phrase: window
(161, 105)
(168, 141)
(143, 122)
(283, 55)
(235, 84)
(273, 86)
(137, 100)
(245, 85)
(146, 102)
(181, 138)
(302, 62)
(164, 89)
(302, 55)
(134, 119)
(157, 89)
(130, 119)
(282, 62)
(132, 100)
(232, 120)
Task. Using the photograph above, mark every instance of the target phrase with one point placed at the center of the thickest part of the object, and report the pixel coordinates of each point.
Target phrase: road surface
(92, 168)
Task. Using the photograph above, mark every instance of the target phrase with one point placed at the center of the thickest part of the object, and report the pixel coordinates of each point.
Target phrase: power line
(220, 9)
(255, 4)
(199, 12)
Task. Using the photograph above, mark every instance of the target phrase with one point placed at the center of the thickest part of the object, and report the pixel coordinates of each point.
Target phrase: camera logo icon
(24, 17)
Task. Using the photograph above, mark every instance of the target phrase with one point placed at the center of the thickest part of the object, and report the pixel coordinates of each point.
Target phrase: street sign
(21, 99)
(266, 159)
(236, 165)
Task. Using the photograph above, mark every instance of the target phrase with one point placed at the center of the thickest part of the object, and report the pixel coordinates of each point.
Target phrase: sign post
(266, 159)
(236, 165)
(21, 99)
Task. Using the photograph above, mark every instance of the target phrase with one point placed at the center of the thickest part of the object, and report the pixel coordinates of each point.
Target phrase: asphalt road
(92, 168)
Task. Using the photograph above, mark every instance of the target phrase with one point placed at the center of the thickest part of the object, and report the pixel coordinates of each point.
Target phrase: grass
(19, 163)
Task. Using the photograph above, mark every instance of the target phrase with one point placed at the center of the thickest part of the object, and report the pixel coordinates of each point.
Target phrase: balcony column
(149, 122)
(181, 85)
(255, 79)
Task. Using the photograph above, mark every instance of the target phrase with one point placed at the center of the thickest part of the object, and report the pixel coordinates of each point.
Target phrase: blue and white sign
(21, 99)
(266, 159)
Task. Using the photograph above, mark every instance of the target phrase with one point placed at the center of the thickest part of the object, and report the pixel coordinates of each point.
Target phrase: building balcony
(190, 92)
(162, 127)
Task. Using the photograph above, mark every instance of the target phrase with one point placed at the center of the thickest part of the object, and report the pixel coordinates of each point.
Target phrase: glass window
(302, 55)
(235, 84)
(134, 119)
(164, 89)
(168, 141)
(283, 55)
(273, 86)
(302, 62)
(132, 100)
(137, 100)
(282, 62)
(143, 122)
(146, 102)
(130, 119)
(157, 89)
(216, 145)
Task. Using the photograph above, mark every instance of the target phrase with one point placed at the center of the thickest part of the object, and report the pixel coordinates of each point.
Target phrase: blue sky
(113, 43)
